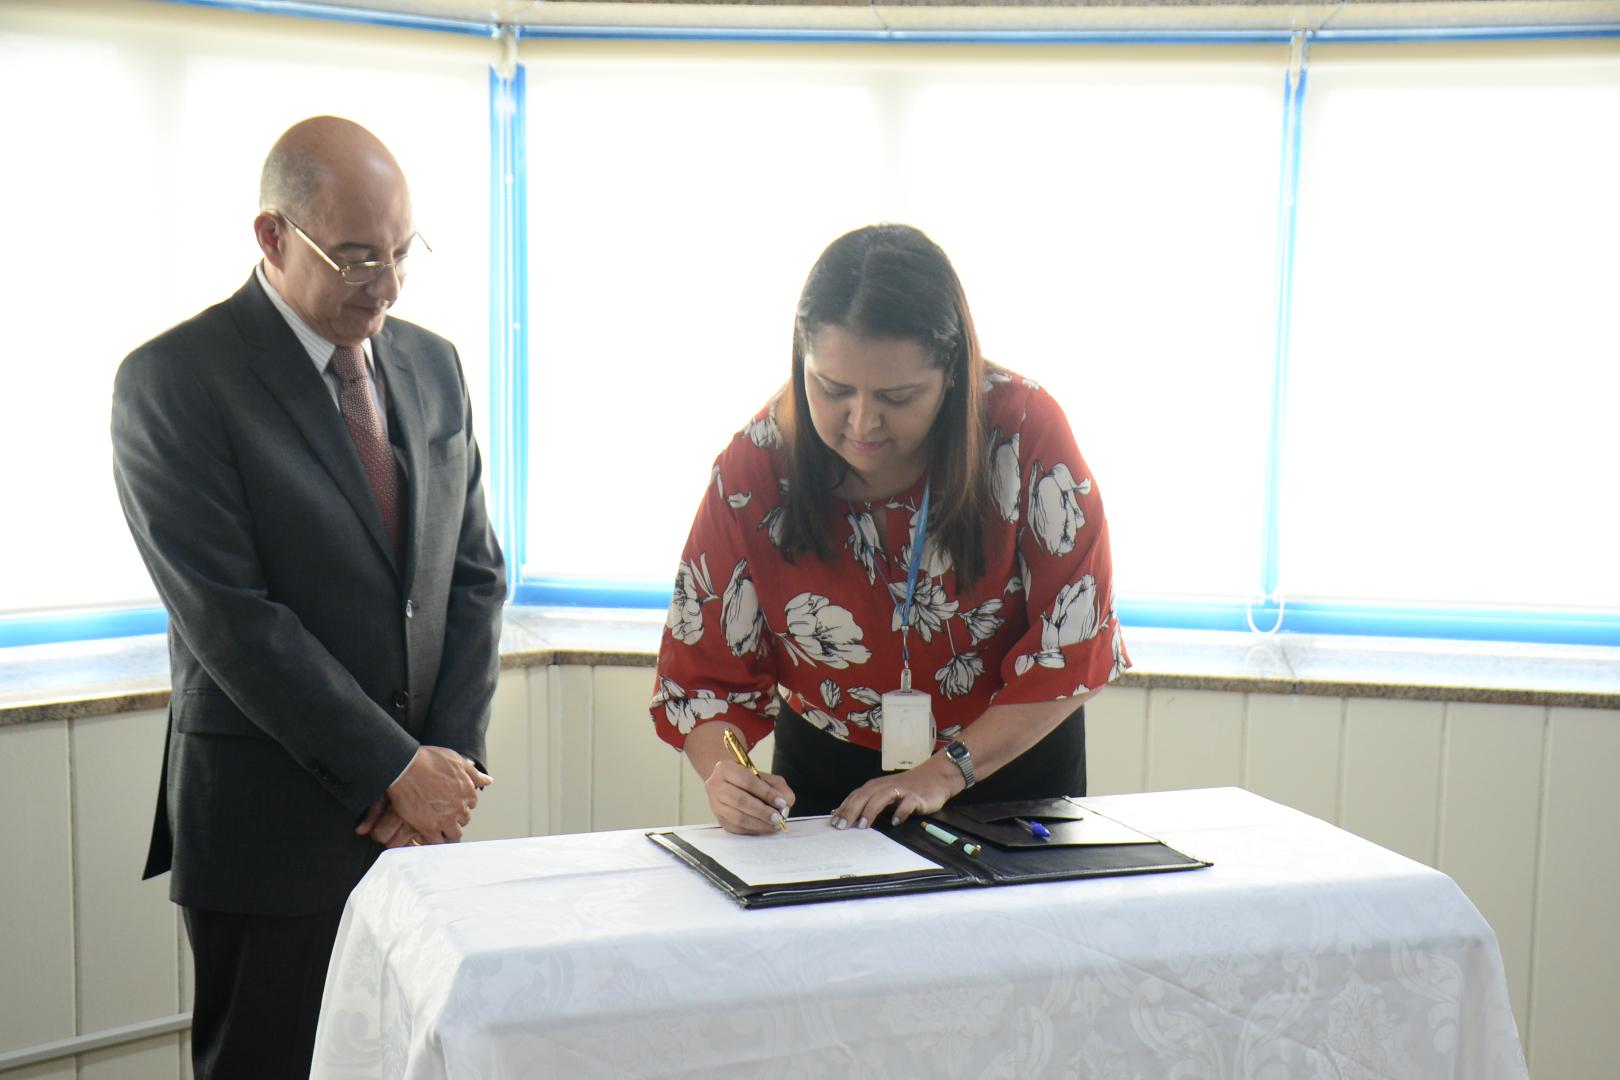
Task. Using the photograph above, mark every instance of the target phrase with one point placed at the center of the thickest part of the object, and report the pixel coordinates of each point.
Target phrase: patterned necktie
(359, 410)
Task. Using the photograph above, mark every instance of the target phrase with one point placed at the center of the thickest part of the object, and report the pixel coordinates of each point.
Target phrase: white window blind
(137, 138)
(1112, 215)
(1456, 364)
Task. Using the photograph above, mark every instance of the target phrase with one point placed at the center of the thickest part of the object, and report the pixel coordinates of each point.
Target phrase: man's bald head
(321, 159)
(332, 198)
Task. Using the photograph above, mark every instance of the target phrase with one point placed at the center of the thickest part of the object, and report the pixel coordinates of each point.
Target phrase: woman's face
(873, 401)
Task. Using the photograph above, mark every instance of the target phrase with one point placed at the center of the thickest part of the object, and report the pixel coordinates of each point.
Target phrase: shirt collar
(318, 348)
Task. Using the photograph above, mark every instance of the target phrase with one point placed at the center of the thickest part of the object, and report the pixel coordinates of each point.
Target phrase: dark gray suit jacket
(306, 665)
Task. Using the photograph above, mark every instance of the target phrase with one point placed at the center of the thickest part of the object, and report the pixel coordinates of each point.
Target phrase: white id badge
(908, 729)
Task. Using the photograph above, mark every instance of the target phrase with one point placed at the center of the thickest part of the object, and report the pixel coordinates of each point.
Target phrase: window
(1454, 375)
(1112, 215)
(133, 210)
(1437, 411)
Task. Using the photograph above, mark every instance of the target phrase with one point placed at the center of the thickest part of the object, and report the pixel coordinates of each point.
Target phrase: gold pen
(741, 755)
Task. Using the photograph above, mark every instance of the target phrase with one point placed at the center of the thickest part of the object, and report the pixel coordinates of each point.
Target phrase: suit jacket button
(401, 699)
(410, 609)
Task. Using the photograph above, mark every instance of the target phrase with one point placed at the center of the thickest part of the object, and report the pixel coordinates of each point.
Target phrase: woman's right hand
(745, 803)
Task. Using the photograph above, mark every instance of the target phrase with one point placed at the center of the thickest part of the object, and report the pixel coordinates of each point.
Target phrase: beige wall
(1516, 803)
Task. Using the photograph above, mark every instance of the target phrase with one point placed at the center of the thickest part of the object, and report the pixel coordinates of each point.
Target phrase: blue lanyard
(911, 588)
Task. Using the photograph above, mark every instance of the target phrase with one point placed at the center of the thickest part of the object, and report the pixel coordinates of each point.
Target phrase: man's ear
(272, 238)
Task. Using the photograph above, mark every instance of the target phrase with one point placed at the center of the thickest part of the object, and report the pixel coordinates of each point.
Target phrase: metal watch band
(959, 753)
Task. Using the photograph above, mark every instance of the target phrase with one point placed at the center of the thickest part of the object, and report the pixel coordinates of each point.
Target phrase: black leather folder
(1002, 853)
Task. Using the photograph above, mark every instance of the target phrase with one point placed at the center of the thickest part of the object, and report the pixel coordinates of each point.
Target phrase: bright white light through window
(1455, 372)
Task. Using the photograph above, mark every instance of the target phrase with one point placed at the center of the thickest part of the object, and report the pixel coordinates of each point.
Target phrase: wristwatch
(962, 758)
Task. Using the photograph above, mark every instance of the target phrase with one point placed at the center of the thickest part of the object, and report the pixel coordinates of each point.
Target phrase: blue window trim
(507, 452)
(1539, 626)
(46, 628)
(508, 447)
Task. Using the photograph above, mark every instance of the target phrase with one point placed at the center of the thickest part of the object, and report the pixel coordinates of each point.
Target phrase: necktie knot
(349, 362)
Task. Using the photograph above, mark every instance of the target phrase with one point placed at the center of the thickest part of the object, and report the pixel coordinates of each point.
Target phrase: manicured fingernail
(839, 823)
(776, 819)
(895, 820)
(861, 824)
(781, 804)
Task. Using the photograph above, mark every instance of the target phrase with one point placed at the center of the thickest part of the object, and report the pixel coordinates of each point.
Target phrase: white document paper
(810, 850)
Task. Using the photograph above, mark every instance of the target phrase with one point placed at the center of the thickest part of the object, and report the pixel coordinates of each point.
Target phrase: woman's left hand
(921, 790)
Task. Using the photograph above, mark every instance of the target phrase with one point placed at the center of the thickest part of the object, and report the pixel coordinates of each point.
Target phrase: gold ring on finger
(898, 794)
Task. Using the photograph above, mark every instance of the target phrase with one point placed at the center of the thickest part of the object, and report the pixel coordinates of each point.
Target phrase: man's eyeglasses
(360, 273)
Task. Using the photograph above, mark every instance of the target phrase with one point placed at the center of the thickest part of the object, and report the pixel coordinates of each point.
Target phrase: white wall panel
(636, 777)
(569, 770)
(50, 1070)
(1490, 823)
(128, 967)
(1291, 751)
(36, 887)
(503, 807)
(1195, 740)
(149, 1059)
(542, 791)
(1575, 983)
(1392, 774)
(187, 991)
(1116, 741)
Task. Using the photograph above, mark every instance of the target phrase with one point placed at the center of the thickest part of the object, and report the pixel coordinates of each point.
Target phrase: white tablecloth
(1304, 952)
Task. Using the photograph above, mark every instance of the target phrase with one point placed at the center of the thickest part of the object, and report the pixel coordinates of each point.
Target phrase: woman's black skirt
(822, 770)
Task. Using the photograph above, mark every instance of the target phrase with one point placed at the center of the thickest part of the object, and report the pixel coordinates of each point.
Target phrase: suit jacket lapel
(408, 430)
(280, 362)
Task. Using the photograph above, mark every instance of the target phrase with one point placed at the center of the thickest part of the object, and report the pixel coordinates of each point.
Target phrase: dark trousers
(258, 992)
(821, 770)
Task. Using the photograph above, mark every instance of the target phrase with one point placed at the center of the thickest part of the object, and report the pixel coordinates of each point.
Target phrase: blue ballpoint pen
(1036, 829)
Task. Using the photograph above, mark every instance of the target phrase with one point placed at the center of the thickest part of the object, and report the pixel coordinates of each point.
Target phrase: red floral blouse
(1038, 626)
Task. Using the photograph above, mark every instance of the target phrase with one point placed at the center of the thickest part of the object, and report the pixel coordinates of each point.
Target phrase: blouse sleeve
(1073, 642)
(715, 658)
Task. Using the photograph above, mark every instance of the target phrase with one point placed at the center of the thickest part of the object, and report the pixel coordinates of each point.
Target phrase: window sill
(100, 678)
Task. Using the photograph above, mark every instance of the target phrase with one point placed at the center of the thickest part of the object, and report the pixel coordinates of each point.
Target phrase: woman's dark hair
(892, 282)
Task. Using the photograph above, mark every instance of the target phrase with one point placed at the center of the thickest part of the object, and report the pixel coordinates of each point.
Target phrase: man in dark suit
(300, 476)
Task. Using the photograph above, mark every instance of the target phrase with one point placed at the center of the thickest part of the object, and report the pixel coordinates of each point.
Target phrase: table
(1303, 952)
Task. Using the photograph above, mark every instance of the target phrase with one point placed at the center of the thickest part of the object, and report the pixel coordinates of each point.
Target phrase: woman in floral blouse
(794, 576)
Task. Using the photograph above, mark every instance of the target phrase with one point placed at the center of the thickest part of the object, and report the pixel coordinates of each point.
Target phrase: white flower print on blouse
(994, 377)
(764, 432)
(1004, 474)
(830, 694)
(863, 542)
(772, 524)
(749, 699)
(1020, 582)
(1054, 511)
(1074, 615)
(929, 608)
(983, 622)
(685, 711)
(936, 558)
(685, 618)
(827, 722)
(823, 633)
(1074, 619)
(956, 678)
(737, 501)
(744, 623)
(872, 715)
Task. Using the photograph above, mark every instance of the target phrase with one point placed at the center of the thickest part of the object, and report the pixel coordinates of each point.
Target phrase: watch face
(956, 751)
